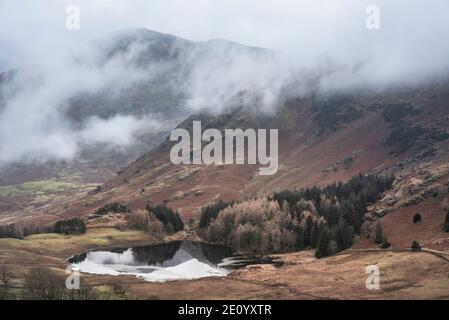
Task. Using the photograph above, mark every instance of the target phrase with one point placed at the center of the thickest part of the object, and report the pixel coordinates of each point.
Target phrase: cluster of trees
(381, 238)
(325, 219)
(262, 225)
(146, 221)
(169, 218)
(343, 200)
(334, 239)
(12, 230)
(19, 230)
(112, 208)
(70, 226)
(258, 225)
(210, 212)
(158, 221)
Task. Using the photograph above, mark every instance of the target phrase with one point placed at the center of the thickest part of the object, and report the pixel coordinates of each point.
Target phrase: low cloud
(34, 124)
(118, 131)
(321, 44)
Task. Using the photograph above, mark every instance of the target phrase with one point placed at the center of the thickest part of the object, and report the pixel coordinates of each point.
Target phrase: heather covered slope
(316, 147)
(323, 137)
(322, 140)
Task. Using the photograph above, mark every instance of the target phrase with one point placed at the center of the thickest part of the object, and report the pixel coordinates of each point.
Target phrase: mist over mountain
(357, 92)
(81, 91)
(115, 98)
(72, 84)
(111, 90)
(117, 87)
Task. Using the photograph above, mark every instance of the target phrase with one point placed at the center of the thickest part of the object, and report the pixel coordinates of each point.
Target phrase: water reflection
(163, 262)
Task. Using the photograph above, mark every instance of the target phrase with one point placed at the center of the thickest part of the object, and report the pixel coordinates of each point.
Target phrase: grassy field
(53, 250)
(36, 188)
(59, 246)
(404, 275)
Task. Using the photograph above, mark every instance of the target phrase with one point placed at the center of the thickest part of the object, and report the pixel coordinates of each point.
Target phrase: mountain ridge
(323, 138)
(312, 152)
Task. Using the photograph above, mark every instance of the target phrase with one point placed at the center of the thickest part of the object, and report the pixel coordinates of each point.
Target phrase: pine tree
(446, 222)
(379, 234)
(385, 243)
(333, 247)
(315, 235)
(300, 238)
(344, 235)
(308, 230)
(323, 244)
(70, 226)
(415, 246)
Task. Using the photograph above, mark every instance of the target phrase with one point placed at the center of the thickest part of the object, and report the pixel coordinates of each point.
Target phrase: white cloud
(320, 36)
(118, 130)
(412, 36)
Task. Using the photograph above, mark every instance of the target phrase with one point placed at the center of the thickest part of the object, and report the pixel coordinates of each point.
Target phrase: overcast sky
(411, 46)
(413, 36)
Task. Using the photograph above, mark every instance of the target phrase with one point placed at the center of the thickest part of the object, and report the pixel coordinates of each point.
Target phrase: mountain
(169, 62)
(167, 65)
(162, 69)
(325, 137)
(322, 139)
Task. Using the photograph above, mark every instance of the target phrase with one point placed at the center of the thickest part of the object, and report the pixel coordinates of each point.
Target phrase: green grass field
(36, 188)
(55, 244)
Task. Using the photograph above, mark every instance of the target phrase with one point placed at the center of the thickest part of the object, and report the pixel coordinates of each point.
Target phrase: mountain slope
(162, 69)
(158, 74)
(317, 145)
(323, 138)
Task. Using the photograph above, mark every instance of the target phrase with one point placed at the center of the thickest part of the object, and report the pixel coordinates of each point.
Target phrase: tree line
(21, 230)
(70, 226)
(157, 221)
(325, 219)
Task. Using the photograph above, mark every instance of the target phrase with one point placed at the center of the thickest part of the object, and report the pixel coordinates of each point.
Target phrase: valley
(362, 180)
(405, 275)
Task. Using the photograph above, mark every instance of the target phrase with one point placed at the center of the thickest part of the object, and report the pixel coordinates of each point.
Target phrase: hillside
(317, 147)
(351, 162)
(156, 96)
(322, 139)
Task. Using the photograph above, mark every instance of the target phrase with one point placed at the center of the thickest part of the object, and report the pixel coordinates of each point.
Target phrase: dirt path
(440, 254)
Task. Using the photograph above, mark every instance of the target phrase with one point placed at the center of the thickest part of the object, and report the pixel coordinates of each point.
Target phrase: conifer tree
(385, 243)
(323, 244)
(415, 246)
(314, 235)
(446, 222)
(379, 234)
(344, 235)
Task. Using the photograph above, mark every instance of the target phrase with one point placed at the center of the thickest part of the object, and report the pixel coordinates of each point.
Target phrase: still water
(179, 260)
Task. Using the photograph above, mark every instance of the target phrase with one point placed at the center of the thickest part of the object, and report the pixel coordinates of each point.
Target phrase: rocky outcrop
(418, 183)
